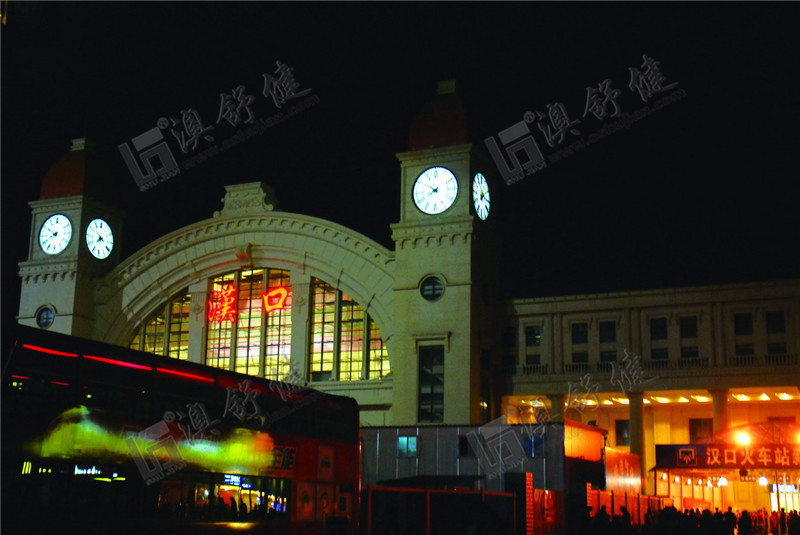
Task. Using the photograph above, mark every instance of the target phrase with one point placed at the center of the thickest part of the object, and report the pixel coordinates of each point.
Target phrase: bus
(101, 436)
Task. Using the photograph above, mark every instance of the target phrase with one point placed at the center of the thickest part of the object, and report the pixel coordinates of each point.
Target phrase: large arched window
(346, 344)
(248, 329)
(250, 323)
(166, 332)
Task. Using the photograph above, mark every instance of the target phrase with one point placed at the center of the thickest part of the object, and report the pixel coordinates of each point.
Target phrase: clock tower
(444, 245)
(74, 240)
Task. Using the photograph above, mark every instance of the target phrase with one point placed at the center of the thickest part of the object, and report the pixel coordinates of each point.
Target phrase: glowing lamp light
(783, 396)
(743, 439)
(709, 483)
(689, 481)
(677, 479)
(701, 399)
(722, 482)
(741, 397)
(762, 481)
(763, 397)
(623, 401)
(646, 401)
(607, 402)
(683, 400)
(662, 400)
(699, 482)
(663, 477)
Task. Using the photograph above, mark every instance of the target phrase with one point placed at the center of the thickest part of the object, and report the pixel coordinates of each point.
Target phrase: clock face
(480, 196)
(55, 234)
(99, 239)
(435, 190)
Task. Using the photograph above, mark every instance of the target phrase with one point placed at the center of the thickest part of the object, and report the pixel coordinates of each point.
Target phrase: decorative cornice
(427, 235)
(41, 271)
(247, 199)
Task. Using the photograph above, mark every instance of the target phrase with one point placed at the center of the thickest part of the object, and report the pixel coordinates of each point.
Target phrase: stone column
(557, 406)
(636, 423)
(720, 400)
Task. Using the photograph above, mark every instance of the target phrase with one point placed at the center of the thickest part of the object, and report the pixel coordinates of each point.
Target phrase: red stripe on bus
(51, 351)
(118, 362)
(185, 374)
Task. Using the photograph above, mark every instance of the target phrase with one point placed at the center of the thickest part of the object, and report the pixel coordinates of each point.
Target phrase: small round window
(432, 288)
(45, 317)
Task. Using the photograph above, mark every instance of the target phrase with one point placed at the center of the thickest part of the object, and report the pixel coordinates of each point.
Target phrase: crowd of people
(670, 521)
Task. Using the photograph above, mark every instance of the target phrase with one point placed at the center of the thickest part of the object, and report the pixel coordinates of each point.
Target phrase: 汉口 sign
(705, 456)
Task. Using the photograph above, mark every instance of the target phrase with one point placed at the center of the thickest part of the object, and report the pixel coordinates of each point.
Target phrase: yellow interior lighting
(741, 397)
(701, 399)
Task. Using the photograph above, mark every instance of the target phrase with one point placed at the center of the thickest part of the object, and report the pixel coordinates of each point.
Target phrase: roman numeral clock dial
(435, 190)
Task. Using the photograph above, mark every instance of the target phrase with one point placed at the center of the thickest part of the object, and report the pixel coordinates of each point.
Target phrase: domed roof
(441, 122)
(67, 176)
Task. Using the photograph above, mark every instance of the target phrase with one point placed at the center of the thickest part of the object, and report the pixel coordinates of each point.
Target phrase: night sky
(702, 191)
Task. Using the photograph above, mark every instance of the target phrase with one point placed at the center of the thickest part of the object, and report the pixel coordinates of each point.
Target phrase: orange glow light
(275, 299)
(743, 439)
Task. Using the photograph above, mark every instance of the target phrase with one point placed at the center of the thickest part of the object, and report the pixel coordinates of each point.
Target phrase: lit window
(406, 447)
(323, 330)
(220, 333)
(178, 343)
(533, 335)
(351, 348)
(278, 331)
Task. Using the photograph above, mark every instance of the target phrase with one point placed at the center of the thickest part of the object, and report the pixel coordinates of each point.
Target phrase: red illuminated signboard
(222, 305)
(275, 299)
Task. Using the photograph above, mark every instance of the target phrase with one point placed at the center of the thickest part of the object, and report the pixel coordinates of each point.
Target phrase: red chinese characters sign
(222, 305)
(774, 456)
(275, 299)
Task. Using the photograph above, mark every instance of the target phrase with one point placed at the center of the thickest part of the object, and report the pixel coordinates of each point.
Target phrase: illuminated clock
(480, 196)
(99, 239)
(56, 234)
(435, 190)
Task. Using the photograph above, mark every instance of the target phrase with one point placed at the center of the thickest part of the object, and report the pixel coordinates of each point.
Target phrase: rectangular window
(154, 334)
(700, 429)
(776, 322)
(658, 328)
(406, 447)
(533, 360)
(533, 335)
(580, 333)
(776, 348)
(248, 331)
(744, 349)
(659, 353)
(323, 330)
(178, 343)
(351, 348)
(689, 352)
(608, 331)
(431, 384)
(580, 357)
(608, 356)
(623, 432)
(689, 327)
(464, 447)
(743, 324)
(220, 330)
(278, 346)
